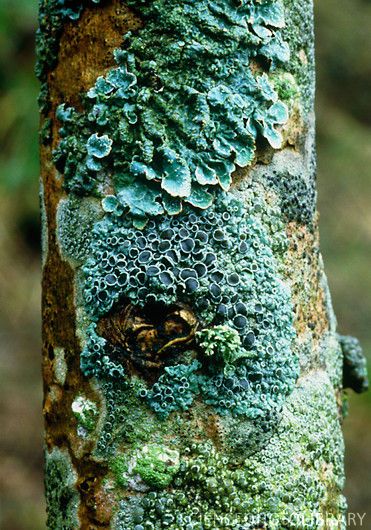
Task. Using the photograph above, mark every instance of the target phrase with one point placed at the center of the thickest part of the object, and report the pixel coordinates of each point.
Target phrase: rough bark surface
(203, 389)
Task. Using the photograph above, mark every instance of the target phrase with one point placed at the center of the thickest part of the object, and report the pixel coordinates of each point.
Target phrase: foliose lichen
(355, 374)
(95, 361)
(179, 112)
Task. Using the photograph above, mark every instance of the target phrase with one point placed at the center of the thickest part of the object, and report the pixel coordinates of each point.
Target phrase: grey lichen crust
(190, 225)
(61, 493)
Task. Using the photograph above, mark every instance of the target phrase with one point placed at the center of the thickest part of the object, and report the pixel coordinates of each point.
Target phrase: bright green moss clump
(182, 108)
(157, 465)
(119, 468)
(223, 344)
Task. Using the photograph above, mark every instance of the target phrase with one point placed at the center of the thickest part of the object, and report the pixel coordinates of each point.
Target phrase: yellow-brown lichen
(305, 279)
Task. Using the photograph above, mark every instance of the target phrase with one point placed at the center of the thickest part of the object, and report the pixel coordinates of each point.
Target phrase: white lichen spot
(60, 366)
(86, 414)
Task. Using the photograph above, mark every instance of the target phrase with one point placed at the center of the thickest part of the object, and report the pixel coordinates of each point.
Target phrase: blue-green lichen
(94, 359)
(224, 263)
(183, 107)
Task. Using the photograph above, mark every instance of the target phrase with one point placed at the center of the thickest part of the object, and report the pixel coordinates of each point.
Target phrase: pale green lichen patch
(294, 482)
(331, 357)
(60, 366)
(299, 33)
(62, 497)
(75, 221)
(291, 175)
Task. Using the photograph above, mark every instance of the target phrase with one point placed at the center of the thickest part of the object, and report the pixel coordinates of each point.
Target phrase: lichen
(60, 366)
(354, 364)
(200, 302)
(131, 126)
(85, 412)
(223, 263)
(94, 359)
(75, 221)
(292, 176)
(271, 487)
(62, 498)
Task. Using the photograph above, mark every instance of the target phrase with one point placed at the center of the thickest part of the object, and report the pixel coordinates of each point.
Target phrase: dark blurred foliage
(344, 156)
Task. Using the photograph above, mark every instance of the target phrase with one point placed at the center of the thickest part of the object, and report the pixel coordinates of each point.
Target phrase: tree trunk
(192, 371)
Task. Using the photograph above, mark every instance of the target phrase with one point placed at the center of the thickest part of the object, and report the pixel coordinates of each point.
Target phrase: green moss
(157, 465)
(285, 85)
(119, 467)
(223, 344)
(62, 498)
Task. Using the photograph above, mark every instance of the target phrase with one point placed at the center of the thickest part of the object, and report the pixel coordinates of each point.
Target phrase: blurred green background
(344, 180)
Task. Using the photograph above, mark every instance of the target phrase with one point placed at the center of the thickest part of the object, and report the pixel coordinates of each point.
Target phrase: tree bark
(192, 370)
